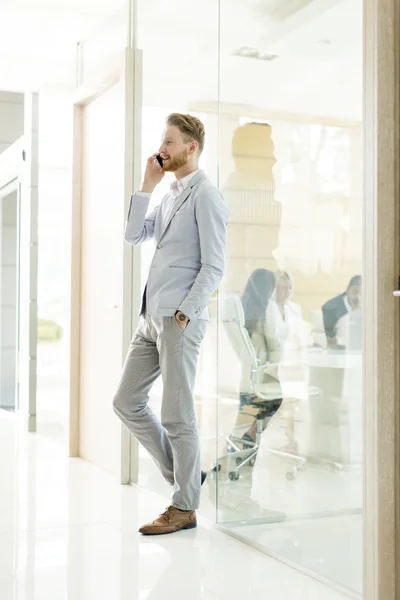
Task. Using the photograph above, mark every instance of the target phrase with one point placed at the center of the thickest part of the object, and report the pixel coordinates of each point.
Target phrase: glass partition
(290, 321)
(278, 391)
(99, 55)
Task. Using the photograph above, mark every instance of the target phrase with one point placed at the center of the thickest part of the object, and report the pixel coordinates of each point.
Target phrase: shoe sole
(188, 526)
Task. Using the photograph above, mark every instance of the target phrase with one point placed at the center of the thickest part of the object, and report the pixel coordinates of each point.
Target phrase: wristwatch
(181, 317)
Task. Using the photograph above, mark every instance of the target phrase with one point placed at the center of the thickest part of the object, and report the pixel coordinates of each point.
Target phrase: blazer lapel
(181, 199)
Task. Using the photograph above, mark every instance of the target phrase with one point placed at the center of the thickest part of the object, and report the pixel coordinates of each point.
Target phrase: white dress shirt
(342, 326)
(177, 188)
(283, 335)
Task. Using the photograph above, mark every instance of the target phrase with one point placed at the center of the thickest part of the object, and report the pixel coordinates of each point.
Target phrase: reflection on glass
(342, 317)
(245, 323)
(290, 319)
(285, 142)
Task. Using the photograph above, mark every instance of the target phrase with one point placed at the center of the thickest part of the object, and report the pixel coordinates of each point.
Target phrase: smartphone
(159, 160)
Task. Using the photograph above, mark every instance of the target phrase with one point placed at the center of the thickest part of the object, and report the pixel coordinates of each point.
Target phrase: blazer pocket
(183, 267)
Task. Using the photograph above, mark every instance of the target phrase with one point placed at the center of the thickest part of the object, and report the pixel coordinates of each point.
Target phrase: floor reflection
(68, 531)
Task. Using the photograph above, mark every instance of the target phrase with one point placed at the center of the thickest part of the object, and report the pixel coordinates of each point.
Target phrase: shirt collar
(179, 185)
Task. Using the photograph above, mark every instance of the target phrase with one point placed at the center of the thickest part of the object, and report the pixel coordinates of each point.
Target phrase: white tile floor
(313, 522)
(68, 531)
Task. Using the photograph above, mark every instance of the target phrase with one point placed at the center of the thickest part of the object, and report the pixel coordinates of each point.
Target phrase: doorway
(9, 301)
(19, 267)
(102, 264)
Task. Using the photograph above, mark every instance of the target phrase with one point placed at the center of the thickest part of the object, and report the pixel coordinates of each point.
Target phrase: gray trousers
(159, 346)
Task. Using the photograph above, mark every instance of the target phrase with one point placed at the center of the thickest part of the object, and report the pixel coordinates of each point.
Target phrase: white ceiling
(38, 40)
(318, 70)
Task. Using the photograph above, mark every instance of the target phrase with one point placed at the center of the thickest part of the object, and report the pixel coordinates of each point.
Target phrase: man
(338, 307)
(189, 228)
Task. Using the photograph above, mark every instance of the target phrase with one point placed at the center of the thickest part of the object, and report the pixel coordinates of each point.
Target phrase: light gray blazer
(189, 259)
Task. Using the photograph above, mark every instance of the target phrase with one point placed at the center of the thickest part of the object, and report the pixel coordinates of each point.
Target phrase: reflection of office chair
(268, 396)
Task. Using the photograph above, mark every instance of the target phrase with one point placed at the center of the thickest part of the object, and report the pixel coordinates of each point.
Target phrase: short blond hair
(190, 127)
(283, 276)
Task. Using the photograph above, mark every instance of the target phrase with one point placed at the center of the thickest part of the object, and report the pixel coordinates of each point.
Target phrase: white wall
(101, 306)
(11, 118)
(54, 231)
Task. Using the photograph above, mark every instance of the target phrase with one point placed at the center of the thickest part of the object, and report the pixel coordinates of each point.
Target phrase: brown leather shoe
(170, 521)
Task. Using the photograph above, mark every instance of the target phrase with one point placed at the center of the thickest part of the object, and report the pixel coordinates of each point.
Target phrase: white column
(28, 259)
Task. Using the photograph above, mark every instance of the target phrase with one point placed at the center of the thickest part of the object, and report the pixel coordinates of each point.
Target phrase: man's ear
(193, 147)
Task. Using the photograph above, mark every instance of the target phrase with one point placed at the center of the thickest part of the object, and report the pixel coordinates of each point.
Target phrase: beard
(177, 162)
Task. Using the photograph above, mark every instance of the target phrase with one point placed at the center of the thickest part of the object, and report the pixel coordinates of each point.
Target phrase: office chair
(268, 396)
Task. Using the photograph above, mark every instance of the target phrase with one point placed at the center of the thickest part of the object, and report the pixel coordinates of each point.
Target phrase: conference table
(328, 421)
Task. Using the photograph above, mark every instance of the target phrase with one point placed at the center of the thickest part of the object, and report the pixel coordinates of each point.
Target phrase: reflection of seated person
(256, 296)
(336, 313)
(283, 329)
(286, 342)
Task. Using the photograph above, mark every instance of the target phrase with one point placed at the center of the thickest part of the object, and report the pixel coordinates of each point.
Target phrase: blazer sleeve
(330, 320)
(212, 219)
(140, 225)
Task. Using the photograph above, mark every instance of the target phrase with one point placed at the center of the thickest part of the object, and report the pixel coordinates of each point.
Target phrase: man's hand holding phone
(153, 174)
